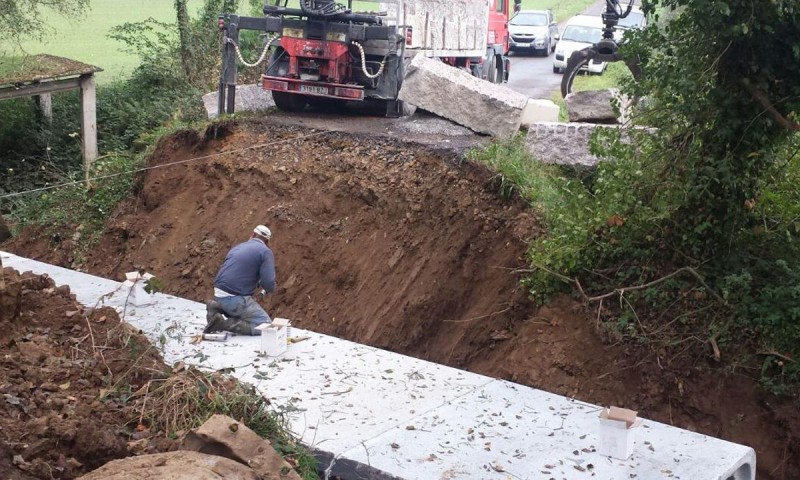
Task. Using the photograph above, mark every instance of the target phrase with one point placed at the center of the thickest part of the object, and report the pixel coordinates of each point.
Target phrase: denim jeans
(244, 309)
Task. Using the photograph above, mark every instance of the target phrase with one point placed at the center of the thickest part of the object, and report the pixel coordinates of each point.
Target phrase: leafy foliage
(613, 230)
(723, 78)
(23, 18)
(712, 191)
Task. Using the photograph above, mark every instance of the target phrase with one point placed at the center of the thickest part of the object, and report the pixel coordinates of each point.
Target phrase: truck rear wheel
(278, 66)
(289, 102)
(491, 75)
(489, 67)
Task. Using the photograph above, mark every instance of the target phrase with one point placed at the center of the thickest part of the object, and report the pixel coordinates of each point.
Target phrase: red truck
(323, 51)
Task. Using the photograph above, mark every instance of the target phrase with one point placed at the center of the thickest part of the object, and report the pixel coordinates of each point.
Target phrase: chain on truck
(324, 52)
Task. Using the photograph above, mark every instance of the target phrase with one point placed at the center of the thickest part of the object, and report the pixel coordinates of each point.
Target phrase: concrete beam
(413, 419)
(49, 86)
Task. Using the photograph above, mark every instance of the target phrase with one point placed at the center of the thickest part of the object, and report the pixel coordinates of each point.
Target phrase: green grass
(86, 38)
(612, 77)
(11, 65)
(562, 10)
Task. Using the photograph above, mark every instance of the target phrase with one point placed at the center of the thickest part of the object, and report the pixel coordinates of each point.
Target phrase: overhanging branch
(773, 112)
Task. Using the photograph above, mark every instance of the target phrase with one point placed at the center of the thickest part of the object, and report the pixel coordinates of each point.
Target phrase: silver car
(533, 31)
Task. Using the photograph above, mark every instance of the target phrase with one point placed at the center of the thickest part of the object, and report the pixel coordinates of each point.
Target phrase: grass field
(86, 39)
(562, 9)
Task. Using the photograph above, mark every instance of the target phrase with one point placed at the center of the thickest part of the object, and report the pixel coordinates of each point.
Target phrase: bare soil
(56, 361)
(402, 246)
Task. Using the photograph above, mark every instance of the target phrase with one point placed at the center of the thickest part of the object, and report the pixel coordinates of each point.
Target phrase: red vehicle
(323, 51)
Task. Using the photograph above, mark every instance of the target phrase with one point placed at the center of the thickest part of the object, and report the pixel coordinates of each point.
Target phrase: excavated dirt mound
(406, 248)
(56, 361)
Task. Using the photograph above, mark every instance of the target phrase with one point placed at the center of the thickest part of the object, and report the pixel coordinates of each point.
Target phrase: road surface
(533, 75)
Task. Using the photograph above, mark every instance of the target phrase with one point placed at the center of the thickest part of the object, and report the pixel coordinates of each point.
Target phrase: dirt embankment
(406, 248)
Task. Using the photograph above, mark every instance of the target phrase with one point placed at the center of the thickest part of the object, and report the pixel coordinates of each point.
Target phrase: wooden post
(45, 103)
(88, 123)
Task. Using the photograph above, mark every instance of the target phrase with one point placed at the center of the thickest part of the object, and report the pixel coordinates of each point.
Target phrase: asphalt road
(533, 75)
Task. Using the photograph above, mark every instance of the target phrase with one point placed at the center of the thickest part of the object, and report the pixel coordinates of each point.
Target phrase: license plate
(314, 89)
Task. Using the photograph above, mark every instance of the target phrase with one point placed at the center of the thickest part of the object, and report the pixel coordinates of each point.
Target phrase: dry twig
(621, 291)
(773, 353)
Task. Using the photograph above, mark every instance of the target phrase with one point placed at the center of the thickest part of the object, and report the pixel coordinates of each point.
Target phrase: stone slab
(458, 96)
(562, 143)
(249, 98)
(607, 106)
(442, 27)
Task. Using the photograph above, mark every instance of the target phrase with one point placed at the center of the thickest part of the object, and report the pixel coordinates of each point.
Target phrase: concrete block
(458, 96)
(538, 110)
(249, 98)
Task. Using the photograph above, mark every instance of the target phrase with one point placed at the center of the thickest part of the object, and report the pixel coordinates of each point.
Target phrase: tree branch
(762, 98)
(621, 291)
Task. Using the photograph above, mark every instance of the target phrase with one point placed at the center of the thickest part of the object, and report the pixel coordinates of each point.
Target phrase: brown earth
(405, 247)
(56, 359)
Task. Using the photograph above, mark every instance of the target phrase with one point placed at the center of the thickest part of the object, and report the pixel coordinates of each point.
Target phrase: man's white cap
(263, 231)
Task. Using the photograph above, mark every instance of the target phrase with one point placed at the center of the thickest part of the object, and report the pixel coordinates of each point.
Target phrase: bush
(611, 228)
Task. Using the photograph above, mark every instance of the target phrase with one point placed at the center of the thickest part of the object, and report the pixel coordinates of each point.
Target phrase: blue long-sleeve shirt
(247, 265)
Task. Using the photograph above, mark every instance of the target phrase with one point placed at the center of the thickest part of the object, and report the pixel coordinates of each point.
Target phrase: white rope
(179, 162)
(260, 59)
(364, 63)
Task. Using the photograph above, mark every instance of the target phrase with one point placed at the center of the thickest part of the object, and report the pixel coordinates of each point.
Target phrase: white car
(580, 31)
(635, 20)
(533, 31)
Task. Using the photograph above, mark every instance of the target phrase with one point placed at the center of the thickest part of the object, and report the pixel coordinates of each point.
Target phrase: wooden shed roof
(18, 71)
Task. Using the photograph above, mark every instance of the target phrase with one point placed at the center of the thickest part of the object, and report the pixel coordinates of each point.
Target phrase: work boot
(241, 327)
(214, 317)
(216, 323)
(212, 307)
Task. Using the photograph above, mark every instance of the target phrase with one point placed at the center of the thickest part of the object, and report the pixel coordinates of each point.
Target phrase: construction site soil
(391, 243)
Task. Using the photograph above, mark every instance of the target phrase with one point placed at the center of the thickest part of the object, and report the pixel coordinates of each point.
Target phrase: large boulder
(458, 96)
